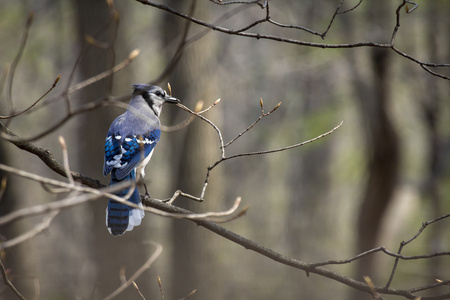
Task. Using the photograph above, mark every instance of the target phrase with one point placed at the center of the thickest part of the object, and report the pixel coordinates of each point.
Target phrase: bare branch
(224, 157)
(270, 20)
(287, 147)
(242, 31)
(207, 121)
(36, 102)
(351, 9)
(179, 51)
(336, 12)
(47, 157)
(431, 286)
(37, 229)
(217, 217)
(132, 56)
(371, 286)
(161, 290)
(292, 262)
(174, 211)
(94, 194)
(263, 114)
(138, 273)
(63, 144)
(275, 150)
(91, 194)
(8, 282)
(258, 2)
(190, 294)
(15, 63)
(257, 35)
(403, 244)
(188, 120)
(138, 290)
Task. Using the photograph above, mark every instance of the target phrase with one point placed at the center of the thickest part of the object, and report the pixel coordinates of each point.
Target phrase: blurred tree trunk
(372, 83)
(383, 167)
(108, 254)
(432, 107)
(14, 259)
(194, 79)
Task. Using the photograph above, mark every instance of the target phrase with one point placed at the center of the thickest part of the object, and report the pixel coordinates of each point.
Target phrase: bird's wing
(124, 153)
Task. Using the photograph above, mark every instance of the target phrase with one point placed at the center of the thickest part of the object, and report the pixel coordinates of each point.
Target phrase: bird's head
(154, 96)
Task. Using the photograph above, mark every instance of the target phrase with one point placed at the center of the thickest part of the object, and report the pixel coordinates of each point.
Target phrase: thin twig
(76, 87)
(263, 114)
(336, 12)
(235, 2)
(287, 147)
(185, 123)
(138, 273)
(8, 282)
(294, 27)
(47, 157)
(15, 63)
(258, 35)
(178, 126)
(379, 249)
(36, 102)
(132, 56)
(190, 294)
(179, 51)
(83, 109)
(404, 243)
(37, 228)
(397, 23)
(63, 144)
(138, 290)
(161, 290)
(207, 121)
(371, 286)
(277, 38)
(429, 287)
(434, 73)
(217, 217)
(224, 157)
(351, 9)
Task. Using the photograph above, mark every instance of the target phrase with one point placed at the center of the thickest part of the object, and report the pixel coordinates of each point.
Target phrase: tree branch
(288, 261)
(47, 157)
(242, 31)
(8, 282)
(138, 273)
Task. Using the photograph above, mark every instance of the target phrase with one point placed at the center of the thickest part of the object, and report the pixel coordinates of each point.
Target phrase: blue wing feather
(135, 149)
(125, 153)
(112, 149)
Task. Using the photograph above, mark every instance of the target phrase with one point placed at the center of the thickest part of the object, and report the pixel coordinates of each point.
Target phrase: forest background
(372, 182)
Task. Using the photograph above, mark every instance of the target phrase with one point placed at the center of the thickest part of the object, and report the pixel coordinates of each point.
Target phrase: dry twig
(8, 282)
(243, 31)
(138, 273)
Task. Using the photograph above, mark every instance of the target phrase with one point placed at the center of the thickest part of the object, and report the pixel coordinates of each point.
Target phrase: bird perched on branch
(128, 148)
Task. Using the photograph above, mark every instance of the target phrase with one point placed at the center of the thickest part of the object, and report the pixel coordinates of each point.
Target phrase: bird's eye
(159, 94)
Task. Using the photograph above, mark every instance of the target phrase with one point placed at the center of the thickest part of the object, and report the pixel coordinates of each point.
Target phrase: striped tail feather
(121, 217)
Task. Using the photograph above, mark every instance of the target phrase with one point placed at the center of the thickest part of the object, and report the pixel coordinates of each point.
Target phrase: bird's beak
(171, 99)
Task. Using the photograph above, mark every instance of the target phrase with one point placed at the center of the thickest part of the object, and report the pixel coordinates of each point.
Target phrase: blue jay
(128, 148)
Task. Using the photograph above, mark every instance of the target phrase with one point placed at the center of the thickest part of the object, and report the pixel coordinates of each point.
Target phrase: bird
(129, 145)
